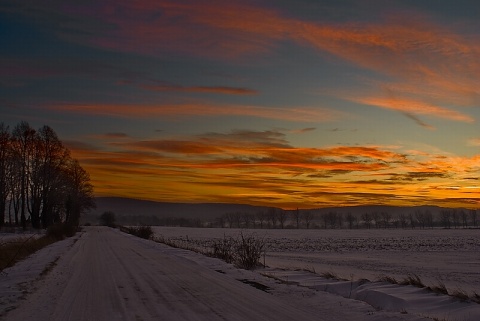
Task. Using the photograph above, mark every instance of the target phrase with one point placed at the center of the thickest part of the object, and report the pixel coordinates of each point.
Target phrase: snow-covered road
(108, 275)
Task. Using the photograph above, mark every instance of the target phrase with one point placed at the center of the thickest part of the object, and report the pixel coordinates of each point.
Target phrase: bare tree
(473, 217)
(237, 216)
(23, 140)
(39, 178)
(14, 186)
(307, 218)
(325, 220)
(464, 216)
(54, 160)
(272, 216)
(367, 220)
(446, 218)
(402, 218)
(219, 221)
(421, 218)
(108, 219)
(339, 220)
(376, 219)
(411, 218)
(429, 218)
(5, 151)
(229, 217)
(396, 222)
(455, 218)
(332, 218)
(261, 216)
(247, 218)
(351, 220)
(386, 217)
(282, 218)
(296, 217)
(79, 192)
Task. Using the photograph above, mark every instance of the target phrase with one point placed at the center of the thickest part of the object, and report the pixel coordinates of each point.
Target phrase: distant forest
(274, 218)
(40, 183)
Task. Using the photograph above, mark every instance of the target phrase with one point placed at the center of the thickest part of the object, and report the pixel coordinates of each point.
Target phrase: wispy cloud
(412, 107)
(109, 136)
(201, 89)
(418, 121)
(296, 114)
(474, 142)
(303, 130)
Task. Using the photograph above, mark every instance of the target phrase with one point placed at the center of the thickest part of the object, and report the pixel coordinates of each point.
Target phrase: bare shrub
(145, 232)
(61, 230)
(244, 251)
(224, 249)
(248, 251)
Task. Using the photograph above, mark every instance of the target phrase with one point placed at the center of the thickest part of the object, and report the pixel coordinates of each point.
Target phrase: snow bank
(23, 278)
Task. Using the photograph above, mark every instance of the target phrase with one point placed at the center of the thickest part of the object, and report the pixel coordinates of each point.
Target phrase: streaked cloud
(201, 89)
(296, 114)
(303, 130)
(412, 107)
(474, 142)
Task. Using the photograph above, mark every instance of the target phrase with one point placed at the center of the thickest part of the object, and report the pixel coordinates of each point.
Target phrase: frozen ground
(451, 257)
(448, 256)
(104, 274)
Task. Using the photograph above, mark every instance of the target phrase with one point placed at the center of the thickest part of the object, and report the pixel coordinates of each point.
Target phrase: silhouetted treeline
(40, 183)
(417, 219)
(274, 218)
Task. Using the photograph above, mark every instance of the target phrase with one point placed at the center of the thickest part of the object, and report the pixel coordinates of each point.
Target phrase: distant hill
(134, 207)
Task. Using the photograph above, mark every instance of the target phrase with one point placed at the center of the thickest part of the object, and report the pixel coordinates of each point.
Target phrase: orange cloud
(263, 168)
(233, 165)
(414, 107)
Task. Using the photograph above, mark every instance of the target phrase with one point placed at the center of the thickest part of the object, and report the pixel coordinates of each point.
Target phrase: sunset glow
(297, 105)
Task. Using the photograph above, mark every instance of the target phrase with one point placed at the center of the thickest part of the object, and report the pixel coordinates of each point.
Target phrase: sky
(288, 103)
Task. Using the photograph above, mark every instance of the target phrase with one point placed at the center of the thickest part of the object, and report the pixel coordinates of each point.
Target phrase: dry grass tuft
(329, 275)
(388, 279)
(460, 295)
(17, 250)
(440, 288)
(414, 280)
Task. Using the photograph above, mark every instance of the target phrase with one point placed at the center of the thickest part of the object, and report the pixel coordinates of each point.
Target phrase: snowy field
(451, 257)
